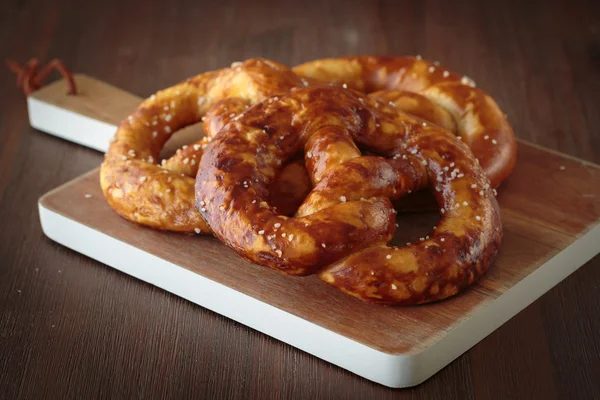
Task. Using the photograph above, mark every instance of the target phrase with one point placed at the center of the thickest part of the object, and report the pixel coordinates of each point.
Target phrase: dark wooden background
(73, 328)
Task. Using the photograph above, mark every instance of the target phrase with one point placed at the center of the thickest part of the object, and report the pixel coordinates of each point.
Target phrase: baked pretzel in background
(432, 92)
(162, 196)
(341, 230)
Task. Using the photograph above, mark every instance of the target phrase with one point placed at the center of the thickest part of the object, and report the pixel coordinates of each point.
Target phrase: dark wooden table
(73, 328)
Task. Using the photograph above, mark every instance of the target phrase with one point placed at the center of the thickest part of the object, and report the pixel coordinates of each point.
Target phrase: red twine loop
(29, 79)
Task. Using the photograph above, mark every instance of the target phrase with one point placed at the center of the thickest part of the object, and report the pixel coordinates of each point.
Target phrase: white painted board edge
(69, 125)
(391, 370)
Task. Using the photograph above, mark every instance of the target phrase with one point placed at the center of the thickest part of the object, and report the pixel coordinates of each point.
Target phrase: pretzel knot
(341, 229)
(162, 195)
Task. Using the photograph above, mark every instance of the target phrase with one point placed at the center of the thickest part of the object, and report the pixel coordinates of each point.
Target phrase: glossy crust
(288, 189)
(163, 198)
(478, 119)
(341, 229)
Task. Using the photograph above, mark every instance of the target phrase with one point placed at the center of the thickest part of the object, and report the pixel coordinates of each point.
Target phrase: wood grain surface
(73, 328)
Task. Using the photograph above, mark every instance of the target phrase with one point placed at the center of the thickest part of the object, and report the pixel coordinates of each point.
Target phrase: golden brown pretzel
(479, 121)
(146, 193)
(341, 229)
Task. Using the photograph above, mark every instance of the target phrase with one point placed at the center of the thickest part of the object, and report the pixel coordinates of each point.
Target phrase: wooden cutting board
(551, 213)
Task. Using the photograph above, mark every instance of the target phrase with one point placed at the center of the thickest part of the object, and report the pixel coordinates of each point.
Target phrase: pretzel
(162, 196)
(477, 119)
(341, 230)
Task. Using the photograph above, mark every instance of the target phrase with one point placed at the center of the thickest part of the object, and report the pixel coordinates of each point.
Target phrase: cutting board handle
(89, 118)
